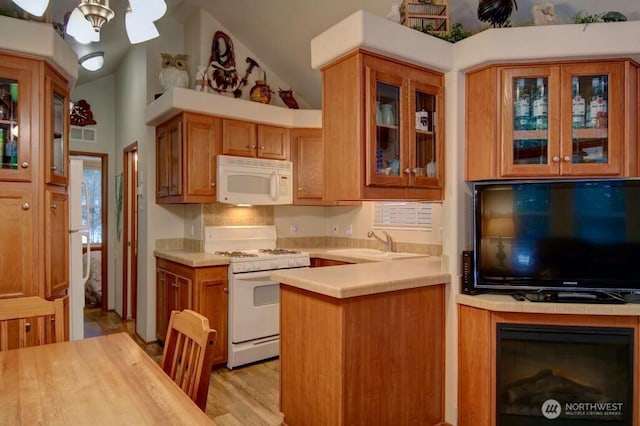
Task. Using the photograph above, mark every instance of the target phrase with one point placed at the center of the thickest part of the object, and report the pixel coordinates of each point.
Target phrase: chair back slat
(188, 354)
(23, 311)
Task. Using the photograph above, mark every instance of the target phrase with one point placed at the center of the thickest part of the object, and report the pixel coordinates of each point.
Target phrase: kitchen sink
(373, 254)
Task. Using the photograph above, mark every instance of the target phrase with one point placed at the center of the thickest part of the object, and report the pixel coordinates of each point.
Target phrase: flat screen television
(577, 237)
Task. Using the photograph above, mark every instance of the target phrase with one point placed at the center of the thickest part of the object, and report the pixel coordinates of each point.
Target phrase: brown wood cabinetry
(383, 129)
(17, 221)
(318, 262)
(186, 149)
(247, 139)
(589, 127)
(203, 290)
(56, 242)
(332, 353)
(477, 355)
(34, 213)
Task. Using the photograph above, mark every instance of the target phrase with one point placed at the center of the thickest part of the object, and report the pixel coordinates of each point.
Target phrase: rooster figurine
(496, 12)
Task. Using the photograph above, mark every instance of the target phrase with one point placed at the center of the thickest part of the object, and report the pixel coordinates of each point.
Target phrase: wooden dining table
(106, 380)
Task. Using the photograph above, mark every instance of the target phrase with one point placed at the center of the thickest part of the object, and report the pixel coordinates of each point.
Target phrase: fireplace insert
(564, 375)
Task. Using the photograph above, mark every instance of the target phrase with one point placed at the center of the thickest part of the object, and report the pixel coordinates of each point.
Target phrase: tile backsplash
(220, 214)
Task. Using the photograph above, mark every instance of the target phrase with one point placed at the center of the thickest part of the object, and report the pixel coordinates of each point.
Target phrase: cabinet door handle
(407, 170)
(24, 165)
(26, 206)
(54, 168)
(53, 206)
(556, 159)
(299, 188)
(262, 147)
(226, 290)
(213, 184)
(567, 158)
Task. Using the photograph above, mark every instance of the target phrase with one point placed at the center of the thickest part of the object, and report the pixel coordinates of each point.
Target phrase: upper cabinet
(383, 129)
(18, 80)
(56, 129)
(186, 149)
(247, 139)
(552, 120)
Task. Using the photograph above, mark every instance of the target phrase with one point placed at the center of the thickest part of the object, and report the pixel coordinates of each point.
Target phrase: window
(93, 177)
(402, 214)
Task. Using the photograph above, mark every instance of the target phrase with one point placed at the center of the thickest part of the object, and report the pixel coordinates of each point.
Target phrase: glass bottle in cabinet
(589, 111)
(387, 129)
(530, 120)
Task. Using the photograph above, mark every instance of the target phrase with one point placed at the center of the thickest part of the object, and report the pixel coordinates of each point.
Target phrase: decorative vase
(260, 92)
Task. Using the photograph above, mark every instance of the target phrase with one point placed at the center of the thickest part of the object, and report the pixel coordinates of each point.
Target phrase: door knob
(24, 164)
(26, 206)
(556, 159)
(567, 158)
(407, 170)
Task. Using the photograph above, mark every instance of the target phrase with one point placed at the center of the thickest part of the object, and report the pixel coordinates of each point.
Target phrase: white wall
(200, 28)
(100, 95)
(319, 221)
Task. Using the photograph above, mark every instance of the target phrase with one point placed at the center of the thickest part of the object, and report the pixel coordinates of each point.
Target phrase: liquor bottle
(11, 154)
(522, 115)
(595, 104)
(577, 106)
(540, 106)
(601, 120)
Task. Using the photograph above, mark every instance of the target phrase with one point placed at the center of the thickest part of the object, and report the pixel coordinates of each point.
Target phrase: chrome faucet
(388, 244)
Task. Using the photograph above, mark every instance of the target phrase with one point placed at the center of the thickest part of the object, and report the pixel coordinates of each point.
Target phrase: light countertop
(506, 303)
(191, 258)
(366, 278)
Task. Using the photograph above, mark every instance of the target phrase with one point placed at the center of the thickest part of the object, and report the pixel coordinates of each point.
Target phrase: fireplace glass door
(564, 375)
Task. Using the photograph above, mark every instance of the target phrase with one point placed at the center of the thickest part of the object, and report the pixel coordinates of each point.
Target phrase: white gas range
(254, 299)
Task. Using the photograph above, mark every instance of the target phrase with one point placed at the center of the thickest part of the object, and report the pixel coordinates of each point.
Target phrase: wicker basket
(433, 15)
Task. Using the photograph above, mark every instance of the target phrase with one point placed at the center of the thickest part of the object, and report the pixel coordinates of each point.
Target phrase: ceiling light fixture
(139, 27)
(33, 7)
(80, 28)
(92, 61)
(97, 12)
(87, 19)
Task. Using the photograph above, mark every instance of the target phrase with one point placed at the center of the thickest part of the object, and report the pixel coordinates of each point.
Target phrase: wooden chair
(24, 309)
(188, 354)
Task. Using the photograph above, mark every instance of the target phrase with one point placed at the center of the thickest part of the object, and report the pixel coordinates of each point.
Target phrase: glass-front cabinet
(15, 148)
(56, 131)
(562, 120)
(404, 146)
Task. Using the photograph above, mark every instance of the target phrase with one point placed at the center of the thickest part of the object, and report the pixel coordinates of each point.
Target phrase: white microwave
(256, 181)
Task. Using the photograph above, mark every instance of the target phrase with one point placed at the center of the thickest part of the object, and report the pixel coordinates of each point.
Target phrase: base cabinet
(203, 290)
(369, 360)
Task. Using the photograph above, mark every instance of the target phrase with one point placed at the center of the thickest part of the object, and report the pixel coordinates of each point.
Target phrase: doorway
(95, 173)
(130, 232)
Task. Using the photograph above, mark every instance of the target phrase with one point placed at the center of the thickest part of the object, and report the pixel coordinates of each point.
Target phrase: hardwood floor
(245, 396)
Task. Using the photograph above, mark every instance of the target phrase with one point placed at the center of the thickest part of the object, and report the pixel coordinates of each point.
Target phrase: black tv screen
(578, 235)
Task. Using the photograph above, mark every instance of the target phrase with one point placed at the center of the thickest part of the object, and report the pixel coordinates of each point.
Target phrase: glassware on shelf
(598, 104)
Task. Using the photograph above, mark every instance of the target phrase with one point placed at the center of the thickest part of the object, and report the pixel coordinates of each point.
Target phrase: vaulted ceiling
(279, 31)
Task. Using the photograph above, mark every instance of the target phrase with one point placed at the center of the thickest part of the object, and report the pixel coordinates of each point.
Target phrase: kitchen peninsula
(363, 343)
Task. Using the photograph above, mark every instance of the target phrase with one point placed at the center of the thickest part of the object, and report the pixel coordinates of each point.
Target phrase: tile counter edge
(362, 279)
